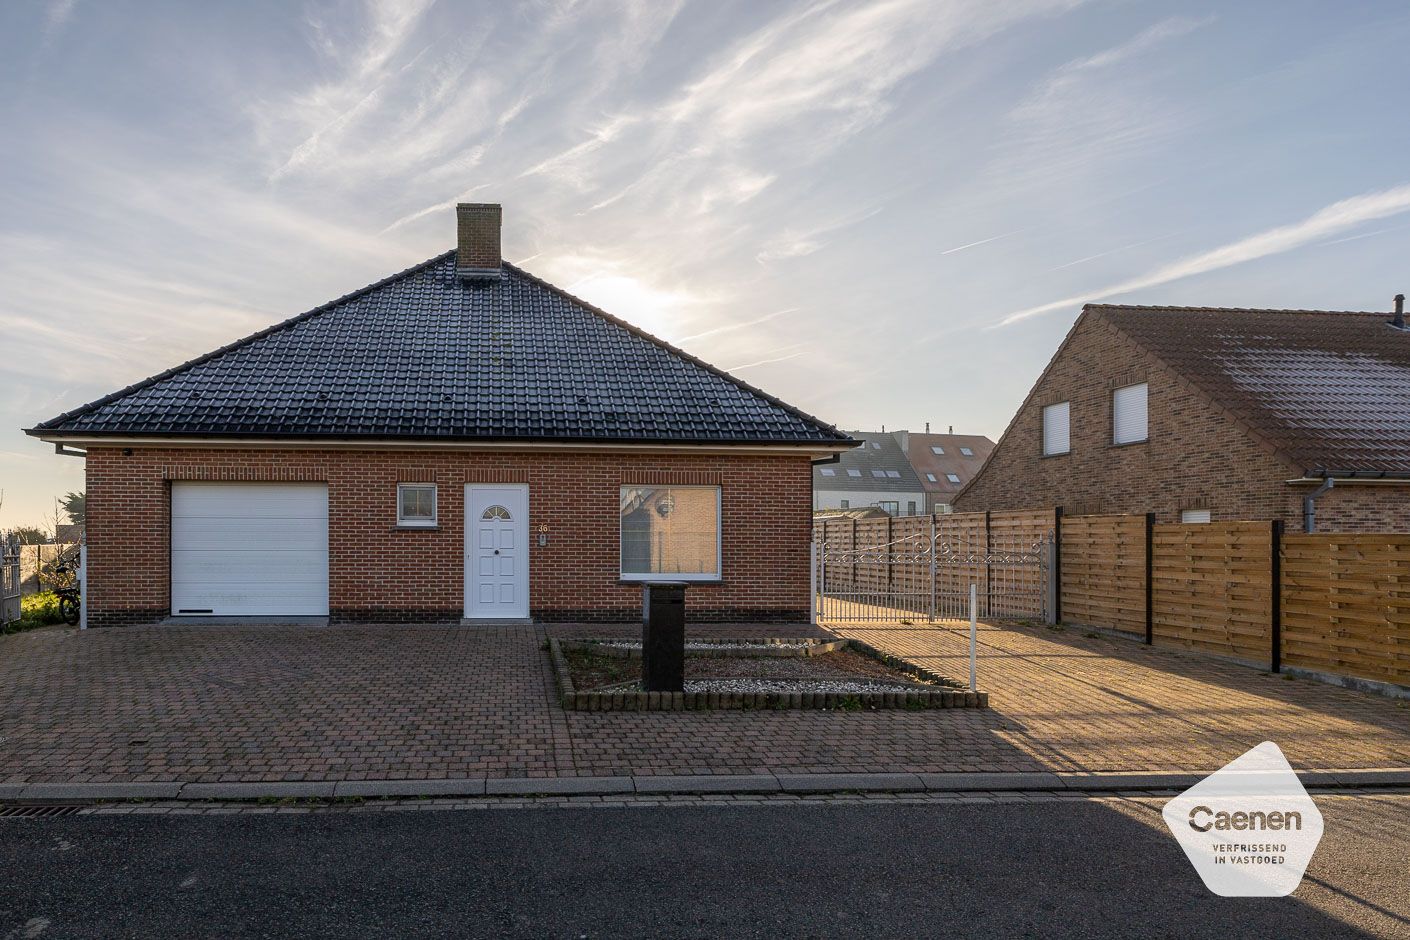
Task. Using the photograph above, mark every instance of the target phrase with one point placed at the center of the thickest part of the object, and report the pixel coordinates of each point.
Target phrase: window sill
(1130, 444)
(1066, 453)
(667, 578)
(415, 528)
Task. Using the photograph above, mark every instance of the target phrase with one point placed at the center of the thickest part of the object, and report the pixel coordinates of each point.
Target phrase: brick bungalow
(1200, 414)
(460, 440)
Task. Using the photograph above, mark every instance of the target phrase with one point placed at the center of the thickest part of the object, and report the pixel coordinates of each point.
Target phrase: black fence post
(1150, 580)
(1276, 601)
(1056, 573)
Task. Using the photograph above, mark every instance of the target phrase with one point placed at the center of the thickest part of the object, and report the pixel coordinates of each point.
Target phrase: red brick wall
(1195, 457)
(377, 572)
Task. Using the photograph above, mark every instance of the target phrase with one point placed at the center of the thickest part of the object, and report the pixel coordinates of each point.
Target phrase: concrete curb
(666, 784)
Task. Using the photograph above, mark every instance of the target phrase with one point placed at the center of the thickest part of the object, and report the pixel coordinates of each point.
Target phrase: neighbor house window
(416, 504)
(931, 478)
(967, 452)
(829, 472)
(879, 474)
(938, 451)
(953, 477)
(890, 507)
(910, 507)
(1056, 439)
(670, 533)
(894, 474)
(854, 473)
(875, 446)
(845, 503)
(1128, 414)
(1194, 515)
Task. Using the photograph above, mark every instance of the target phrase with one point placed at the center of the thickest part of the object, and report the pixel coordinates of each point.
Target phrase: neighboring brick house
(1215, 414)
(461, 439)
(873, 473)
(944, 463)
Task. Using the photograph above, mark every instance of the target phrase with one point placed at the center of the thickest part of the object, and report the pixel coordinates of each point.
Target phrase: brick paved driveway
(398, 702)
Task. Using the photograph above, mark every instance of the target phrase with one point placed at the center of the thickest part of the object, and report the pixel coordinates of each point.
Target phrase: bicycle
(69, 598)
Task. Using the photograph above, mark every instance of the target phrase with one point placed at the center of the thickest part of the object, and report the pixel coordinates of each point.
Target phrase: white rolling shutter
(249, 549)
(1194, 515)
(1128, 414)
(1056, 429)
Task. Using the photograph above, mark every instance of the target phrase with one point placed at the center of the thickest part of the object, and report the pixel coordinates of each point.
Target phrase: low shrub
(36, 610)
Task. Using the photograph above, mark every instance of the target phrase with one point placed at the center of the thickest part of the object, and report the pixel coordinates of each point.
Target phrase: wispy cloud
(765, 362)
(1112, 251)
(1051, 133)
(58, 13)
(803, 241)
(731, 327)
(1330, 220)
(982, 241)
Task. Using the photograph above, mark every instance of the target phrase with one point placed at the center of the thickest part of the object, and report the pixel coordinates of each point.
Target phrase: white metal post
(813, 581)
(83, 583)
(973, 636)
(932, 568)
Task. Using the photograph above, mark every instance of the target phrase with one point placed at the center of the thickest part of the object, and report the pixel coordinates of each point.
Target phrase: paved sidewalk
(385, 702)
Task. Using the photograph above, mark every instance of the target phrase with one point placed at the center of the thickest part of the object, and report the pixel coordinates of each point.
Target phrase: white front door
(497, 551)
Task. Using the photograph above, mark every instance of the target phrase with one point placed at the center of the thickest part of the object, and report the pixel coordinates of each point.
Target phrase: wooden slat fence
(1346, 605)
(1104, 572)
(1212, 588)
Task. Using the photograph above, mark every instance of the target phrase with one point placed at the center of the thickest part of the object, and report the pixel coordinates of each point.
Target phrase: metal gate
(926, 578)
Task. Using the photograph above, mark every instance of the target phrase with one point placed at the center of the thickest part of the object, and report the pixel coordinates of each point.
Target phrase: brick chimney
(477, 256)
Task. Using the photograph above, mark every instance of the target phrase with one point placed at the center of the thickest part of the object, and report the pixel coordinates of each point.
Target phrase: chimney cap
(1399, 321)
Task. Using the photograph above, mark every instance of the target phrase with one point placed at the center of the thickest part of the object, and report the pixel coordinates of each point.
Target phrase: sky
(885, 213)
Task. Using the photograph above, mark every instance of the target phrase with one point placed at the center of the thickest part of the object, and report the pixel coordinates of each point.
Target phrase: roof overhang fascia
(820, 450)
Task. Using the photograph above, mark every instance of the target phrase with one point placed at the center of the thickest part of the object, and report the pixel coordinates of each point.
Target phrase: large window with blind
(670, 533)
(1128, 414)
(1056, 429)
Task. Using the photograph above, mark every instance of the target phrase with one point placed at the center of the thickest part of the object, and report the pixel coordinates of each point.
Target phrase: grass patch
(36, 610)
(591, 669)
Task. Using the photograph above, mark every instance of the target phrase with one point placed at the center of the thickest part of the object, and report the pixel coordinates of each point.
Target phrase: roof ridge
(244, 341)
(681, 353)
(1278, 310)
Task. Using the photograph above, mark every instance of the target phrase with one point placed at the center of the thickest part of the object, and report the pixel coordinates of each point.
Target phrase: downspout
(1309, 506)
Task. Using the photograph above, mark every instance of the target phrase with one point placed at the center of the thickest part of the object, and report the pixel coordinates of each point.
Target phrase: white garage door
(249, 549)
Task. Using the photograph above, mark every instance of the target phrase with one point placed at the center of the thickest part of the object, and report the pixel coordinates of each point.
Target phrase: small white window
(1056, 426)
(931, 478)
(938, 451)
(894, 474)
(854, 473)
(910, 507)
(846, 504)
(879, 474)
(966, 452)
(1194, 515)
(875, 446)
(1128, 414)
(416, 504)
(953, 477)
(828, 472)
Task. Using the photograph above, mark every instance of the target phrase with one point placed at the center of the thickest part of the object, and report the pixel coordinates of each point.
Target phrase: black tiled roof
(424, 355)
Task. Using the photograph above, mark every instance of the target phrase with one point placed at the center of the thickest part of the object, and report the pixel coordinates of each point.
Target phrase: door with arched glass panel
(496, 552)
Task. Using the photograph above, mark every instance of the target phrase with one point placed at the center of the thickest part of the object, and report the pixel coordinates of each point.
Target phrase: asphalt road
(1085, 869)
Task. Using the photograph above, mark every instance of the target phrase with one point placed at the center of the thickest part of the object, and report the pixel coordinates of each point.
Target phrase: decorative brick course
(377, 574)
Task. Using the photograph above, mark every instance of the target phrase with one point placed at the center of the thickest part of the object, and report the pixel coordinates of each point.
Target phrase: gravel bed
(699, 645)
(838, 686)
